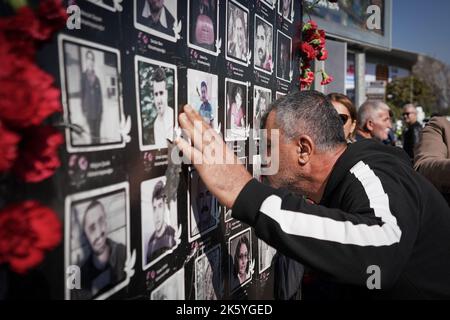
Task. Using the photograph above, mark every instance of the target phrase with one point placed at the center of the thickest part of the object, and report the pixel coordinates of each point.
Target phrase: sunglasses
(406, 114)
(344, 117)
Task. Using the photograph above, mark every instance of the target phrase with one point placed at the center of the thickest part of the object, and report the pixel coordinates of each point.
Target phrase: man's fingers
(195, 117)
(186, 125)
(189, 152)
(197, 130)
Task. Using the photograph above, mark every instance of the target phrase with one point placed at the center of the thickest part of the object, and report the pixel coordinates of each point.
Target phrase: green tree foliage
(410, 90)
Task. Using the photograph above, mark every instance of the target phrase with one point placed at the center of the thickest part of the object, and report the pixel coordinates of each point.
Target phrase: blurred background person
(432, 157)
(347, 113)
(411, 133)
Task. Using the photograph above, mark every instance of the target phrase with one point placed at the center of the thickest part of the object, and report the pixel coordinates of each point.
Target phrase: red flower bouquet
(28, 230)
(28, 148)
(27, 95)
(38, 159)
(311, 48)
(8, 148)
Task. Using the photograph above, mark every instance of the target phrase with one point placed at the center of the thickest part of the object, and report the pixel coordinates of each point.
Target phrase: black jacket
(375, 211)
(411, 137)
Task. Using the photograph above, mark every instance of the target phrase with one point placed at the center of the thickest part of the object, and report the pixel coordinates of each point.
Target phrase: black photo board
(124, 78)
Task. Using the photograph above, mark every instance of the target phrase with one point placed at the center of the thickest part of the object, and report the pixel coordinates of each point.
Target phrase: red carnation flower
(326, 79)
(26, 28)
(53, 16)
(26, 93)
(27, 230)
(308, 51)
(8, 148)
(323, 54)
(38, 158)
(19, 32)
(24, 23)
(310, 25)
(307, 78)
(305, 64)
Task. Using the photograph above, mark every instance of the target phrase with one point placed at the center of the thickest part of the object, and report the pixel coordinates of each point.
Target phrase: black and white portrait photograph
(265, 256)
(237, 30)
(262, 98)
(263, 45)
(156, 101)
(170, 289)
(204, 208)
(235, 110)
(106, 4)
(208, 275)
(159, 222)
(157, 17)
(203, 95)
(203, 21)
(97, 230)
(284, 56)
(240, 251)
(286, 9)
(91, 95)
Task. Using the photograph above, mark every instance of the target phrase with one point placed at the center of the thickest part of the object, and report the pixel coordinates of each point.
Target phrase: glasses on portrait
(406, 114)
(344, 117)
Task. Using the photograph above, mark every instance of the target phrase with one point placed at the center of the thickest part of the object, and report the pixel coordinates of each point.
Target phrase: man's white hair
(368, 111)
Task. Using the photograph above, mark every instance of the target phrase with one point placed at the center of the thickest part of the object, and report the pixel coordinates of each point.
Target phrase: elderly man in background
(373, 121)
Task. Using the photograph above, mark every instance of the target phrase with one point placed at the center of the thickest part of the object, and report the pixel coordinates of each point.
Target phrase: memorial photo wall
(135, 227)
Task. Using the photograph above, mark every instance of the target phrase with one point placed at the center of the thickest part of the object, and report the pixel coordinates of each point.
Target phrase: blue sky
(422, 26)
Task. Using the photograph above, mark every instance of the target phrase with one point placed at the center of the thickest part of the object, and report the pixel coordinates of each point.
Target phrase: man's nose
(97, 233)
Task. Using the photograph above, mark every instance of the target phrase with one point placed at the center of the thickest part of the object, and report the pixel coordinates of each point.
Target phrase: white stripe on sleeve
(345, 232)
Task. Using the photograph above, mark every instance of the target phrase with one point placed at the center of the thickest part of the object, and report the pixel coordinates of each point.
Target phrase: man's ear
(305, 149)
(369, 125)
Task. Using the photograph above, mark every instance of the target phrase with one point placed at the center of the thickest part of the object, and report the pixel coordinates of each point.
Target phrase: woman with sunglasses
(347, 113)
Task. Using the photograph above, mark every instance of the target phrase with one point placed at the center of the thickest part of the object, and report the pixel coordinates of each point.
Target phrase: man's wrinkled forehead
(383, 113)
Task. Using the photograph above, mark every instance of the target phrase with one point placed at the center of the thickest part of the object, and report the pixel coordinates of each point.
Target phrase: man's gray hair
(368, 110)
(310, 113)
(409, 105)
